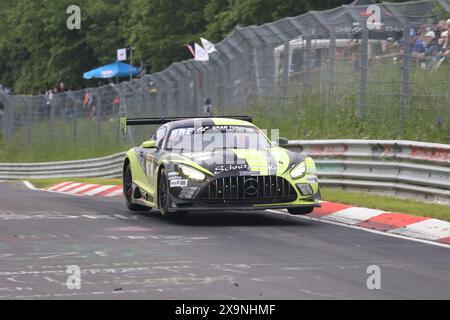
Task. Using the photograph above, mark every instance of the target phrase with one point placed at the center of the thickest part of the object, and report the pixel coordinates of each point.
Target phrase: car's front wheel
(164, 198)
(128, 191)
(300, 210)
(163, 193)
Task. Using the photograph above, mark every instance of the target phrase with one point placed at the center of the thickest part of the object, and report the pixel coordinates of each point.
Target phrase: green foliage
(37, 51)
(161, 29)
(223, 15)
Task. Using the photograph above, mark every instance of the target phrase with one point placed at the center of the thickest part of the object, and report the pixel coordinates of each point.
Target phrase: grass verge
(360, 199)
(34, 144)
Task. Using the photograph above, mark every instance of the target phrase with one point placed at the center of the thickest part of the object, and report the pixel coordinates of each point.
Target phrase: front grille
(247, 190)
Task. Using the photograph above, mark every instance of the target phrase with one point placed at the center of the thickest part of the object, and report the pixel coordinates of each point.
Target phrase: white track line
(443, 245)
(29, 185)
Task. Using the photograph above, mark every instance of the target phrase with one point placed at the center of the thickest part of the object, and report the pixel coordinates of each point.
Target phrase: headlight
(192, 173)
(298, 171)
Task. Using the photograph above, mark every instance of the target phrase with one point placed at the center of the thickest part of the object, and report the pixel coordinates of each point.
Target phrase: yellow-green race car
(226, 163)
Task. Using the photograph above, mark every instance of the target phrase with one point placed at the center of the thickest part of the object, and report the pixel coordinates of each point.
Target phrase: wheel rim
(163, 193)
(128, 185)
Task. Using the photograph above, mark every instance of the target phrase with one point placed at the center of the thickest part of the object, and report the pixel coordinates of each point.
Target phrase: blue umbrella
(115, 69)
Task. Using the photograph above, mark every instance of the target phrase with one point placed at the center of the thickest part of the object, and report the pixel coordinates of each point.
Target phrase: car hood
(232, 162)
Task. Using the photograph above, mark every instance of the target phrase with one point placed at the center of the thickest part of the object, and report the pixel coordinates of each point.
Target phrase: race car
(213, 163)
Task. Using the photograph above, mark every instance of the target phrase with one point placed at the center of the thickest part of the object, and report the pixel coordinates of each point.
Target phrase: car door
(151, 156)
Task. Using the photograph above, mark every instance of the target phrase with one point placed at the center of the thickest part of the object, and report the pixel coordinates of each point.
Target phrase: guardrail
(105, 167)
(402, 168)
(395, 167)
(382, 149)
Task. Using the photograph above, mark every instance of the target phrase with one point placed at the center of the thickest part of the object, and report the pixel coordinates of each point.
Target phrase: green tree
(37, 51)
(161, 29)
(223, 15)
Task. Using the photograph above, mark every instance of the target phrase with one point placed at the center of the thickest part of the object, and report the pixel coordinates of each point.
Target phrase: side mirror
(149, 144)
(283, 141)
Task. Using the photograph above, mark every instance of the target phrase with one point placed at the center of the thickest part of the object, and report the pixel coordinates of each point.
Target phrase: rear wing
(125, 122)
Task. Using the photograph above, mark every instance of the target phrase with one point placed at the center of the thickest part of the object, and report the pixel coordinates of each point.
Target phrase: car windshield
(208, 138)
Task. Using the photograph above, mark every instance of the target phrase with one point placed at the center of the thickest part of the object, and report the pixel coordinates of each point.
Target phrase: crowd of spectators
(430, 44)
(49, 93)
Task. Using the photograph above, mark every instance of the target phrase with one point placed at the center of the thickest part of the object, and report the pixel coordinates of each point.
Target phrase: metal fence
(330, 61)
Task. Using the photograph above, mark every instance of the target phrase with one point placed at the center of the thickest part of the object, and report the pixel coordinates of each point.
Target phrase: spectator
(390, 46)
(426, 50)
(207, 107)
(441, 27)
(417, 47)
(89, 104)
(431, 48)
(443, 42)
(48, 97)
(444, 50)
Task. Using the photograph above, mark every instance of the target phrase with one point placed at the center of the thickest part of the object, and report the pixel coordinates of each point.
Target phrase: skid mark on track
(6, 215)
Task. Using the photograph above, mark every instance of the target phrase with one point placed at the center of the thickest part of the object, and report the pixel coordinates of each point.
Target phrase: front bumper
(287, 194)
(199, 207)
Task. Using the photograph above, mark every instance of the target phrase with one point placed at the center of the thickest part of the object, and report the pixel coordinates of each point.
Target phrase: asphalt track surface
(221, 255)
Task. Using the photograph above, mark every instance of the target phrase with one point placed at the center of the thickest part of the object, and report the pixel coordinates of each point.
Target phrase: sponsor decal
(178, 183)
(328, 150)
(429, 154)
(181, 132)
(230, 167)
(228, 128)
(140, 157)
(312, 179)
(192, 130)
(249, 173)
(243, 168)
(150, 164)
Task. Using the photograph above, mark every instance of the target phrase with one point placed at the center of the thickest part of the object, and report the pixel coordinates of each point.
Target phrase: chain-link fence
(333, 66)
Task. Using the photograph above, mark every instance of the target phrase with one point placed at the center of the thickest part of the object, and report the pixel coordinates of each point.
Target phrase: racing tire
(163, 194)
(164, 198)
(128, 191)
(300, 210)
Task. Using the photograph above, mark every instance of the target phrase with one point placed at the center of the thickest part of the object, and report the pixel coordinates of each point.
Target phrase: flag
(209, 47)
(200, 53)
(122, 54)
(190, 49)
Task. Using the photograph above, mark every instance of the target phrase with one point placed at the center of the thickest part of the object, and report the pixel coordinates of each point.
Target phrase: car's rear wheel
(300, 210)
(128, 191)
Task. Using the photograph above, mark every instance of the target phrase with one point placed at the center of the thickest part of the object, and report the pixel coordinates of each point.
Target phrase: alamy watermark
(74, 279)
(373, 282)
(374, 20)
(74, 20)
